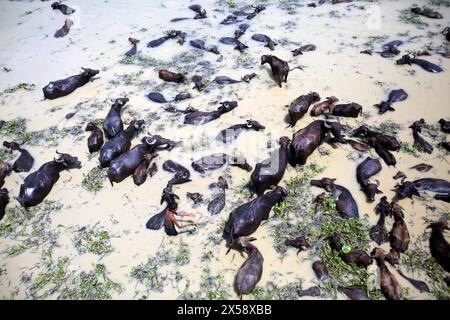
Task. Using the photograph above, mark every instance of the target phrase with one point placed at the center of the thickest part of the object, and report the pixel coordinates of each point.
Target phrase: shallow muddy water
(195, 264)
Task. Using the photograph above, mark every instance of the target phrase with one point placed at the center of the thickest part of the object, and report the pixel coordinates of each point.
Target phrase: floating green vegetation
(152, 275)
(92, 240)
(407, 16)
(21, 86)
(58, 279)
(16, 129)
(272, 291)
(444, 3)
(372, 40)
(408, 148)
(389, 127)
(94, 180)
(127, 79)
(31, 229)
(5, 155)
(417, 259)
(212, 287)
(302, 215)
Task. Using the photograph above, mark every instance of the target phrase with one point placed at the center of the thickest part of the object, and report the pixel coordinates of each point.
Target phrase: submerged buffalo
(64, 8)
(394, 96)
(245, 219)
(410, 188)
(95, 139)
(365, 170)
(182, 174)
(170, 76)
(419, 142)
(266, 39)
(4, 200)
(38, 184)
(218, 160)
(133, 49)
(299, 107)
(25, 161)
(113, 124)
(61, 88)
(231, 133)
(201, 117)
(428, 66)
(345, 205)
(269, 172)
(307, 139)
(352, 110)
(119, 144)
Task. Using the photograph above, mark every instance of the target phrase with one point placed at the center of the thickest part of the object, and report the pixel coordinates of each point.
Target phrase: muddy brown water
(99, 40)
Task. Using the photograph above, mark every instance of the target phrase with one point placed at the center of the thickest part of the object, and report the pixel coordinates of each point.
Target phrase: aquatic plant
(274, 291)
(93, 181)
(20, 86)
(212, 287)
(93, 240)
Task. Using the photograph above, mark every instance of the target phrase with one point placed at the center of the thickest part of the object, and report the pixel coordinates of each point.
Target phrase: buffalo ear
(379, 191)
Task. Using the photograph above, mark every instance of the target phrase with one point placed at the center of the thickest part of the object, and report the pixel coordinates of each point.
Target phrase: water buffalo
(386, 141)
(141, 172)
(119, 144)
(394, 96)
(113, 124)
(170, 76)
(5, 170)
(355, 293)
(299, 243)
(61, 88)
(313, 291)
(388, 283)
(357, 256)
(241, 30)
(225, 80)
(38, 184)
(422, 167)
(25, 161)
(408, 188)
(182, 174)
(269, 172)
(4, 200)
(320, 271)
(346, 205)
(245, 219)
(323, 106)
(248, 77)
(419, 142)
(216, 205)
(399, 236)
(200, 44)
(95, 139)
(307, 139)
(439, 246)
(365, 170)
(299, 107)
(133, 49)
(378, 232)
(202, 117)
(352, 110)
(305, 48)
(217, 160)
(233, 41)
(266, 39)
(64, 8)
(428, 66)
(200, 12)
(280, 68)
(231, 133)
(445, 125)
(251, 270)
(64, 30)
(170, 35)
(426, 12)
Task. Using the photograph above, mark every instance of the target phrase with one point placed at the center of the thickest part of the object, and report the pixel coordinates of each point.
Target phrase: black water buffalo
(386, 141)
(113, 124)
(346, 205)
(95, 139)
(428, 66)
(307, 139)
(378, 232)
(357, 256)
(352, 110)
(231, 133)
(169, 76)
(439, 246)
(61, 88)
(38, 184)
(141, 172)
(133, 49)
(445, 125)
(200, 12)
(299, 107)
(388, 283)
(5, 170)
(182, 174)
(217, 160)
(365, 170)
(25, 161)
(419, 142)
(245, 219)
(200, 44)
(119, 144)
(201, 117)
(64, 30)
(280, 68)
(399, 236)
(266, 39)
(269, 172)
(426, 12)
(408, 188)
(4, 200)
(394, 96)
(305, 48)
(323, 106)
(64, 8)
(251, 270)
